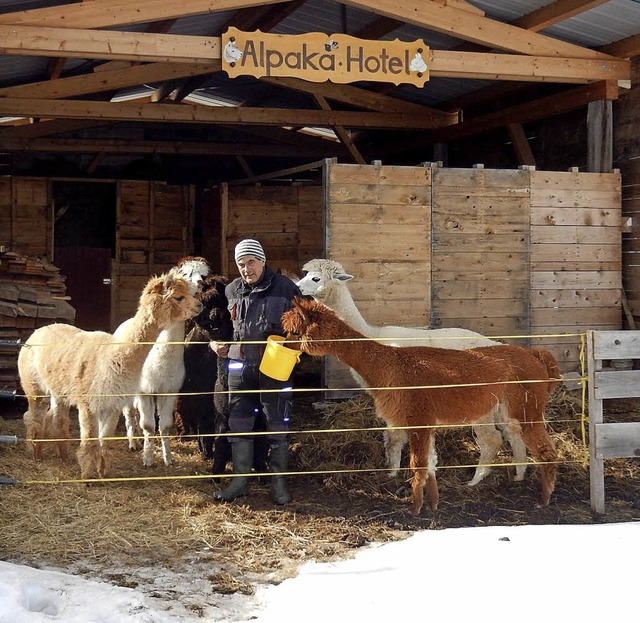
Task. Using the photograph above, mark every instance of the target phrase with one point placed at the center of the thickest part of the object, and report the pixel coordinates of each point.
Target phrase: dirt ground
(159, 520)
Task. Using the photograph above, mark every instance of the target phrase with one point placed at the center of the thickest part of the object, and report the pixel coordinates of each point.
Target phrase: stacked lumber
(32, 294)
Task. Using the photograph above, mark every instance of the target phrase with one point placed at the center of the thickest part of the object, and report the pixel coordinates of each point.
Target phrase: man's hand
(219, 348)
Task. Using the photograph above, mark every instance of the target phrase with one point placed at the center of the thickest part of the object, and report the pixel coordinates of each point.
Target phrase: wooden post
(599, 137)
(596, 465)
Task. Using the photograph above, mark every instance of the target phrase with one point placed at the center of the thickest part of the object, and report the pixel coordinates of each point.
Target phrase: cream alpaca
(95, 372)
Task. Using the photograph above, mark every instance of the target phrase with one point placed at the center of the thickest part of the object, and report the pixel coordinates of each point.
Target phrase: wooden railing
(610, 440)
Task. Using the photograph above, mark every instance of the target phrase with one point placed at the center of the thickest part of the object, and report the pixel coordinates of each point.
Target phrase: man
(257, 300)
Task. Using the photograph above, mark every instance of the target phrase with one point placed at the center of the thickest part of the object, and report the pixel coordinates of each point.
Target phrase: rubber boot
(278, 461)
(242, 458)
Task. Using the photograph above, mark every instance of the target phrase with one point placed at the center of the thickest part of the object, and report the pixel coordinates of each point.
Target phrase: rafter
(556, 12)
(115, 146)
(111, 45)
(471, 27)
(101, 81)
(528, 68)
(531, 111)
(109, 13)
(342, 134)
(624, 48)
(170, 113)
(361, 98)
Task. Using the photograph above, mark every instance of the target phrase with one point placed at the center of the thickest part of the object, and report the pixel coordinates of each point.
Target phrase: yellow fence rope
(269, 474)
(583, 416)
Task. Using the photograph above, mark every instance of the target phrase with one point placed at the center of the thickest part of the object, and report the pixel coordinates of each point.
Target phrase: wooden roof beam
(171, 113)
(109, 13)
(556, 12)
(342, 134)
(120, 78)
(361, 98)
(186, 148)
(83, 43)
(572, 99)
(108, 44)
(475, 28)
(624, 48)
(531, 111)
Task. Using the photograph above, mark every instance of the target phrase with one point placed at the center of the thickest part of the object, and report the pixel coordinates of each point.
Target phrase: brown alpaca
(95, 372)
(496, 397)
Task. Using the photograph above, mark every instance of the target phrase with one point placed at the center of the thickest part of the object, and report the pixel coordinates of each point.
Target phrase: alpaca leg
(432, 484)
(165, 406)
(146, 408)
(89, 451)
(107, 429)
(394, 442)
(422, 460)
(513, 435)
(59, 426)
(542, 449)
(131, 423)
(489, 441)
(34, 421)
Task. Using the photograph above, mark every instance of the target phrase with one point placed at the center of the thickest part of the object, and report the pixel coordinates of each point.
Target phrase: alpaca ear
(298, 304)
(343, 277)
(169, 279)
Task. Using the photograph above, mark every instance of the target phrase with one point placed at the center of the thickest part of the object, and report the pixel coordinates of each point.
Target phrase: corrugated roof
(609, 22)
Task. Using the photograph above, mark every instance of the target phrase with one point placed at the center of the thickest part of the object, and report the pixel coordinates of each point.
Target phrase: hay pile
(173, 523)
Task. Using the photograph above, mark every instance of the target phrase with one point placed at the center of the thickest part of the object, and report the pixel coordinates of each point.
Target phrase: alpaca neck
(138, 338)
(173, 332)
(364, 356)
(343, 304)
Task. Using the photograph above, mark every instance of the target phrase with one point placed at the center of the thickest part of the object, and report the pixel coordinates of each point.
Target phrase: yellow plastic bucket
(278, 361)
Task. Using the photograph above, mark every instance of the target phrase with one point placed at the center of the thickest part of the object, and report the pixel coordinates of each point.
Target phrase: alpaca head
(168, 299)
(214, 319)
(322, 276)
(306, 322)
(194, 270)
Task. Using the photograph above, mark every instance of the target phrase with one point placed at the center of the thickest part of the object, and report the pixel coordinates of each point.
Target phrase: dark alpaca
(202, 408)
(448, 387)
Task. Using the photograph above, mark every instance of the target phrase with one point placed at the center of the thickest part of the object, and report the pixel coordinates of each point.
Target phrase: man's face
(250, 268)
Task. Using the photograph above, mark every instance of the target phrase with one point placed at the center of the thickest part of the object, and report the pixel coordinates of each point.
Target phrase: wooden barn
(471, 163)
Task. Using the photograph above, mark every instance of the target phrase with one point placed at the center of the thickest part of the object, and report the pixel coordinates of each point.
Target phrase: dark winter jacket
(256, 312)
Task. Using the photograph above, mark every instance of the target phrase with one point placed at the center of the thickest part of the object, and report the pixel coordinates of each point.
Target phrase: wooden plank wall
(154, 232)
(287, 220)
(626, 158)
(576, 259)
(506, 253)
(630, 171)
(480, 242)
(378, 223)
(26, 219)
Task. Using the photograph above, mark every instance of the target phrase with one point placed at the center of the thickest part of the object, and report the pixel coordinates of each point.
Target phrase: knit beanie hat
(249, 247)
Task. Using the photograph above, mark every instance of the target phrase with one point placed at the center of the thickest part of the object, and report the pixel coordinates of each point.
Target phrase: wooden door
(88, 273)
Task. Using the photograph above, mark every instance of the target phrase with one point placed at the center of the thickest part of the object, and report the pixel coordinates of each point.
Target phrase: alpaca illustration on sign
(232, 53)
(331, 46)
(418, 64)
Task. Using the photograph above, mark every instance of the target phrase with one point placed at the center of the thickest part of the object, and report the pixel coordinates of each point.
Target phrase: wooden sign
(317, 57)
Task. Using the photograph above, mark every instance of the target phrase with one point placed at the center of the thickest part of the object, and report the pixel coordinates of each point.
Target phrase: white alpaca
(95, 372)
(162, 375)
(326, 281)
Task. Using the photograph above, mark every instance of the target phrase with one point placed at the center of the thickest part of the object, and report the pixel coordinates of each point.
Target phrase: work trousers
(249, 395)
